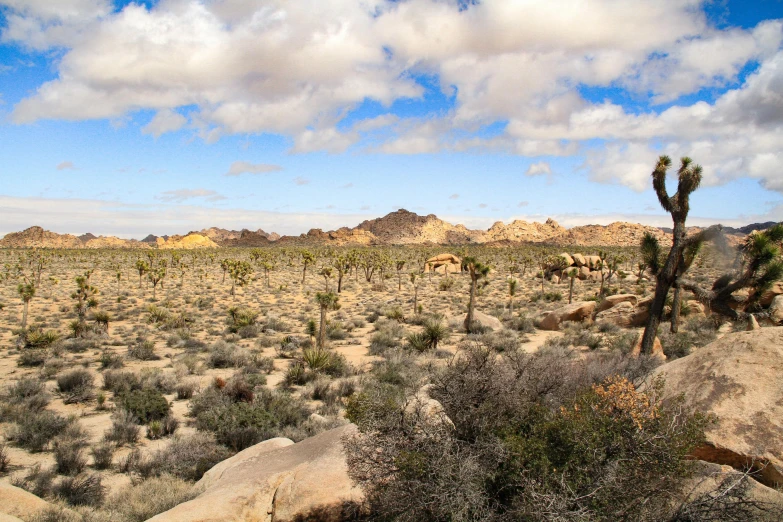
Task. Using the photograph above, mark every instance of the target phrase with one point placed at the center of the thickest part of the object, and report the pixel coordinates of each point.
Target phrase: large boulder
(613, 300)
(212, 476)
(579, 260)
(621, 314)
(568, 260)
(304, 481)
(576, 312)
(16, 502)
(775, 290)
(592, 262)
(737, 379)
(776, 310)
(709, 477)
(443, 263)
(584, 273)
(487, 321)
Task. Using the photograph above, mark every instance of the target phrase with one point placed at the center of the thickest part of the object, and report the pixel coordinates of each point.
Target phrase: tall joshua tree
(327, 301)
(477, 271)
(143, 267)
(26, 291)
(414, 276)
(512, 290)
(307, 259)
(678, 205)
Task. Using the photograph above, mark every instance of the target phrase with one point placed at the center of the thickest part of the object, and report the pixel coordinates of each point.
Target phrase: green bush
(119, 382)
(146, 404)
(124, 428)
(143, 351)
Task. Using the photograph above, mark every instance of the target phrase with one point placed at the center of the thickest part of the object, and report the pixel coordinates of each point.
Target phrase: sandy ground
(286, 299)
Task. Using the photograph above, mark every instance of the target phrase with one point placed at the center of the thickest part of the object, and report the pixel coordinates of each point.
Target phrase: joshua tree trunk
(676, 306)
(322, 329)
(24, 314)
(471, 304)
(665, 279)
(339, 282)
(416, 299)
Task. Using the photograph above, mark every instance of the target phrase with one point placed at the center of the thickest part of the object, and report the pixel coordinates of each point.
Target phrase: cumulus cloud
(178, 196)
(299, 68)
(66, 165)
(539, 169)
(243, 167)
(164, 121)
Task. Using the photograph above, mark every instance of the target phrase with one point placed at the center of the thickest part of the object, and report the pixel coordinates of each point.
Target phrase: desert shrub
(209, 399)
(81, 490)
(335, 331)
(275, 324)
(501, 341)
(142, 501)
(239, 318)
(143, 351)
(623, 342)
(186, 389)
(31, 357)
(38, 481)
(35, 430)
(119, 382)
(189, 457)
(288, 347)
(445, 284)
(75, 386)
(110, 360)
(520, 323)
(578, 334)
(146, 405)
(297, 374)
(531, 446)
(37, 337)
(102, 455)
(264, 364)
(157, 379)
(242, 424)
(398, 369)
(416, 341)
(157, 315)
(382, 341)
(395, 313)
(69, 458)
(227, 355)
(27, 395)
(124, 428)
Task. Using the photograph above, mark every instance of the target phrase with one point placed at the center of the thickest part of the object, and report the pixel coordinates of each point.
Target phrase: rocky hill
(613, 234)
(397, 228)
(188, 242)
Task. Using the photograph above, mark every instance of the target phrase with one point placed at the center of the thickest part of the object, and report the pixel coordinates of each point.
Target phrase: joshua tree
(26, 291)
(414, 281)
(400, 264)
(307, 259)
(476, 270)
(512, 290)
(156, 276)
(102, 320)
(118, 275)
(327, 301)
(342, 265)
(143, 267)
(84, 295)
(268, 266)
(240, 272)
(571, 273)
(326, 273)
(689, 179)
(224, 266)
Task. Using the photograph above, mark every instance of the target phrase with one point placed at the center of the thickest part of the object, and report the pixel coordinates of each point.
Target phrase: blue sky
(125, 118)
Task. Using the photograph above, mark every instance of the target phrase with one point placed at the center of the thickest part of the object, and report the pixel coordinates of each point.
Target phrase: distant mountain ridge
(396, 228)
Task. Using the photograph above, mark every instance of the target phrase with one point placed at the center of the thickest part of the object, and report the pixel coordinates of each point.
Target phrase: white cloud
(178, 196)
(164, 121)
(298, 68)
(243, 167)
(539, 169)
(299, 180)
(77, 216)
(66, 165)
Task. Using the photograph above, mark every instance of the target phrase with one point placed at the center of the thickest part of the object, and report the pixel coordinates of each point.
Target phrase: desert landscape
(391, 261)
(132, 371)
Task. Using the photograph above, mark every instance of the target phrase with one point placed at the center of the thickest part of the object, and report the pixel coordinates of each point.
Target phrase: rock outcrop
(191, 241)
(576, 312)
(613, 234)
(277, 482)
(737, 379)
(443, 263)
(37, 237)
